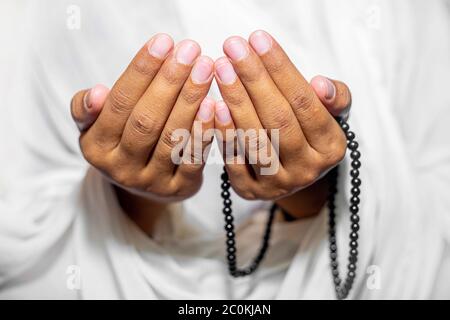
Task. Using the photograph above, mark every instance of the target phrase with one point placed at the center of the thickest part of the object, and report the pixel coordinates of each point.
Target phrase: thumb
(334, 95)
(87, 104)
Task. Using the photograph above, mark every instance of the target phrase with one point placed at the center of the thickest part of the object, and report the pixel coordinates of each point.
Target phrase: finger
(334, 95)
(272, 108)
(184, 113)
(127, 91)
(196, 150)
(251, 133)
(86, 106)
(147, 120)
(239, 172)
(316, 122)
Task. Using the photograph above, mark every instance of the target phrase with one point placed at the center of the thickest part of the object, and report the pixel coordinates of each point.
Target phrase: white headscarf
(393, 55)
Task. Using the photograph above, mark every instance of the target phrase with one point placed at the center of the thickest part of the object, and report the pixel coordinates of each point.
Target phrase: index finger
(314, 118)
(127, 91)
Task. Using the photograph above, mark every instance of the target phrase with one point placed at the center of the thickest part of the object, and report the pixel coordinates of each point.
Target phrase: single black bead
(229, 227)
(351, 274)
(351, 267)
(231, 250)
(231, 242)
(227, 202)
(345, 127)
(334, 264)
(225, 194)
(354, 209)
(354, 173)
(225, 185)
(231, 257)
(230, 235)
(224, 176)
(353, 244)
(354, 200)
(337, 281)
(353, 145)
(353, 252)
(353, 235)
(332, 239)
(229, 218)
(226, 210)
(356, 164)
(356, 182)
(333, 255)
(352, 259)
(355, 191)
(350, 135)
(333, 247)
(355, 154)
(335, 273)
(355, 227)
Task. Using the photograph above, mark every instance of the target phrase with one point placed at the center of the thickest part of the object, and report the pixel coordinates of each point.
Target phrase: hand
(262, 89)
(126, 133)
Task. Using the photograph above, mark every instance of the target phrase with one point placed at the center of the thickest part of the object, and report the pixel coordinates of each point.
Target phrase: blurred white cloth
(58, 215)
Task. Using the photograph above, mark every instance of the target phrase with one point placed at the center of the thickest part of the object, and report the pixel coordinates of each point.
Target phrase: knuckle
(253, 76)
(308, 177)
(167, 140)
(173, 76)
(143, 67)
(336, 151)
(247, 194)
(142, 123)
(192, 95)
(93, 154)
(276, 66)
(121, 101)
(302, 100)
(233, 97)
(123, 178)
(281, 119)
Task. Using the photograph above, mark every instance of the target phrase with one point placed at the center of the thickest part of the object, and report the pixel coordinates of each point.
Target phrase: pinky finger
(335, 95)
(86, 106)
(195, 152)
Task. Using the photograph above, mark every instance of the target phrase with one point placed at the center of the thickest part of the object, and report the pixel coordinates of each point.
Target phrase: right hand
(126, 133)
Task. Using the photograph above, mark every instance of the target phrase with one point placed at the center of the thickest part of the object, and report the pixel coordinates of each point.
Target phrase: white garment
(59, 216)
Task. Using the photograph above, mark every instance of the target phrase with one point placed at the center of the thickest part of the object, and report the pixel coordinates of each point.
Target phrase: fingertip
(222, 113)
(324, 88)
(224, 71)
(206, 110)
(261, 41)
(95, 98)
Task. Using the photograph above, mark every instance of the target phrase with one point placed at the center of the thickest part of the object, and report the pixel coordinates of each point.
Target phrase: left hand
(262, 89)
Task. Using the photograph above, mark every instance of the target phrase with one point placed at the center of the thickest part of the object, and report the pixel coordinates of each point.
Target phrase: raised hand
(126, 133)
(262, 89)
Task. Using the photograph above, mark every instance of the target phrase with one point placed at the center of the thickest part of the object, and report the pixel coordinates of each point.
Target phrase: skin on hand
(262, 89)
(126, 133)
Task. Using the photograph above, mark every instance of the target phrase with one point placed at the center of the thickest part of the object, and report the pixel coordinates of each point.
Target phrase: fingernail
(330, 89)
(87, 100)
(160, 46)
(187, 52)
(206, 109)
(222, 112)
(261, 42)
(236, 48)
(225, 71)
(202, 70)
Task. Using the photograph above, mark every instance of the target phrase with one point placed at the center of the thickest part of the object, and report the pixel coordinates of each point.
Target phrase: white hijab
(394, 57)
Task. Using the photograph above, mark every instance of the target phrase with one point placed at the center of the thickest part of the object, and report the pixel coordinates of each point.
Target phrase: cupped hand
(126, 132)
(262, 89)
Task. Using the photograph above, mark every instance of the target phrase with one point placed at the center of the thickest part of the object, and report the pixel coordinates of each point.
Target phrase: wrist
(307, 202)
(144, 211)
